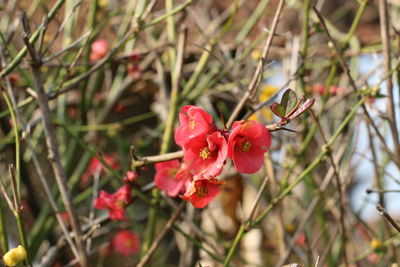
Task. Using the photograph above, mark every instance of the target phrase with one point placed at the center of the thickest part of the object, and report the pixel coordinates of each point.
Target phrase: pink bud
(99, 49)
(130, 177)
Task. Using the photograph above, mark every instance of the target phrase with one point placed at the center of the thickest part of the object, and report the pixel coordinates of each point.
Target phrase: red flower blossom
(206, 156)
(135, 55)
(119, 108)
(166, 177)
(301, 239)
(319, 89)
(130, 177)
(115, 203)
(65, 217)
(99, 49)
(247, 143)
(373, 258)
(125, 242)
(201, 192)
(106, 251)
(333, 90)
(95, 165)
(195, 123)
(336, 90)
(134, 70)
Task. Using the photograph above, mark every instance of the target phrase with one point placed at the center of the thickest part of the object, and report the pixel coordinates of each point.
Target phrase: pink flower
(336, 90)
(135, 56)
(115, 203)
(301, 239)
(201, 192)
(119, 108)
(125, 242)
(373, 258)
(319, 89)
(166, 177)
(130, 177)
(134, 70)
(206, 156)
(95, 165)
(99, 49)
(65, 217)
(247, 143)
(195, 123)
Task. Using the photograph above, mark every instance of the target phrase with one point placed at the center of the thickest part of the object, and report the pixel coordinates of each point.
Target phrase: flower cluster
(333, 90)
(117, 202)
(114, 203)
(96, 166)
(206, 149)
(125, 242)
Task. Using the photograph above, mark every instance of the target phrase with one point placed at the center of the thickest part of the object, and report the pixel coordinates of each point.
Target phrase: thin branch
(388, 217)
(384, 23)
(157, 241)
(353, 85)
(257, 77)
(52, 144)
(340, 189)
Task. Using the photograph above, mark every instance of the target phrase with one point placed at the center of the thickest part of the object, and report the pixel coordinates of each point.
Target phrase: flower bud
(99, 50)
(15, 256)
(130, 177)
(376, 244)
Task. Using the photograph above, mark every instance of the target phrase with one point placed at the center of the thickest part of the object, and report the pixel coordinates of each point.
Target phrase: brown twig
(384, 23)
(353, 85)
(52, 144)
(388, 217)
(138, 162)
(377, 176)
(158, 158)
(311, 207)
(157, 241)
(258, 74)
(340, 189)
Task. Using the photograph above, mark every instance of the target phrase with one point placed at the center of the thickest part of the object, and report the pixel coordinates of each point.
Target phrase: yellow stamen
(246, 145)
(201, 191)
(120, 204)
(192, 124)
(172, 172)
(205, 153)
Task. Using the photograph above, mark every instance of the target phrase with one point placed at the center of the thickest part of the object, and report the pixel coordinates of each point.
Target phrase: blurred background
(109, 69)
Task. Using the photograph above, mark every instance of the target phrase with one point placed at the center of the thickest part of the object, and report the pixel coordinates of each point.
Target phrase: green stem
(289, 188)
(91, 23)
(3, 229)
(23, 235)
(168, 14)
(22, 53)
(168, 130)
(248, 26)
(356, 21)
(17, 145)
(303, 69)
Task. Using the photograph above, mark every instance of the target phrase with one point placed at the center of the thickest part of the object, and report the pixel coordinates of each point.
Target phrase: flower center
(245, 146)
(120, 204)
(128, 243)
(205, 153)
(201, 191)
(192, 124)
(172, 172)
